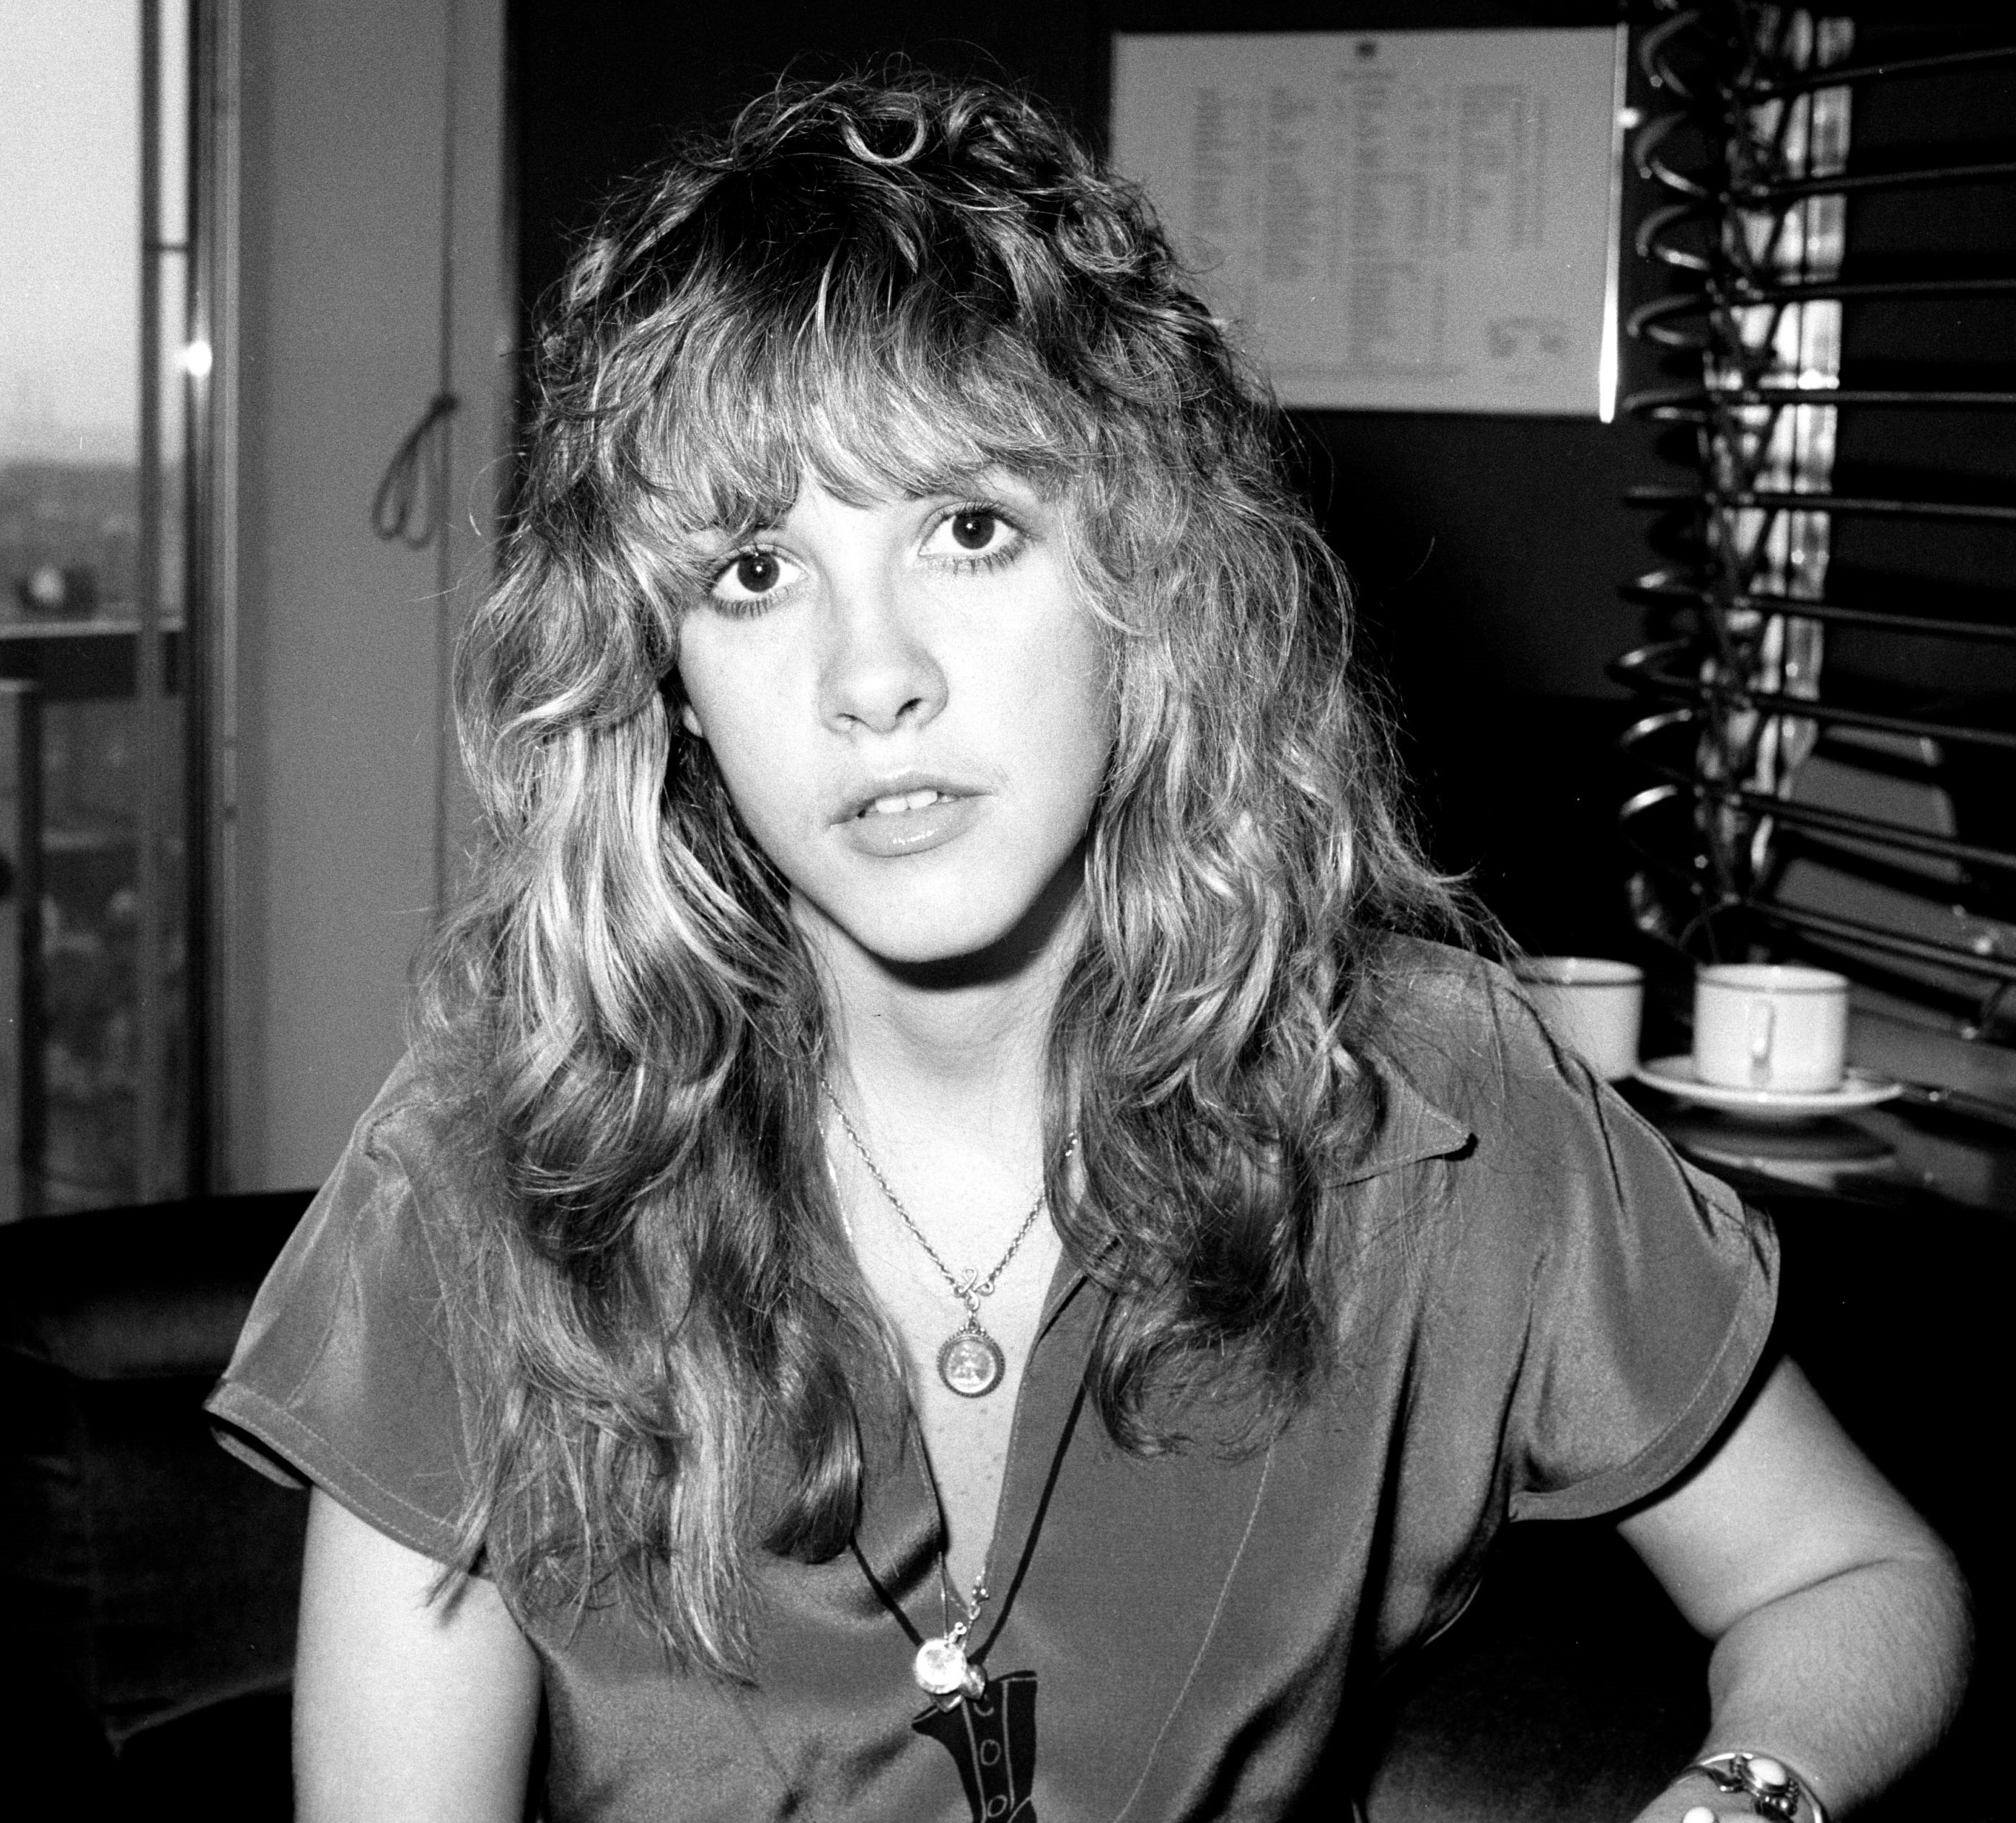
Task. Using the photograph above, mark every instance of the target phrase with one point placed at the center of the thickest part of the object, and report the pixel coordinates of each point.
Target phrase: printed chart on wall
(1411, 221)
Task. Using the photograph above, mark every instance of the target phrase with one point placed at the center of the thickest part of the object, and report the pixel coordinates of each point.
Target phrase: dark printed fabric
(1548, 1315)
(992, 1741)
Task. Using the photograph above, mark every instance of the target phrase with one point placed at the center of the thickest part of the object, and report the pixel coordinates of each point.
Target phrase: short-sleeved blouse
(1549, 1316)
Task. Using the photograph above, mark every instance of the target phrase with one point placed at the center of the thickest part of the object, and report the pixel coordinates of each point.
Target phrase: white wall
(341, 698)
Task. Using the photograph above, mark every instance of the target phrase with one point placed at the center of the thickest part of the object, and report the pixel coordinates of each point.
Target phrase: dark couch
(148, 1580)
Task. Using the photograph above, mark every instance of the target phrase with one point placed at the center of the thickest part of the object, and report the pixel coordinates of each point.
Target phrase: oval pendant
(971, 1363)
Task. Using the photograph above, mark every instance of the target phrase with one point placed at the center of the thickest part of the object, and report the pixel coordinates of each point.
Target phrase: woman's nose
(877, 671)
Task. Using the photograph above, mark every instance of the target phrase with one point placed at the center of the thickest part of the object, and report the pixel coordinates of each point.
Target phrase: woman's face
(909, 705)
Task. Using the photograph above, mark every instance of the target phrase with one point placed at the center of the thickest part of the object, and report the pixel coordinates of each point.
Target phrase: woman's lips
(908, 822)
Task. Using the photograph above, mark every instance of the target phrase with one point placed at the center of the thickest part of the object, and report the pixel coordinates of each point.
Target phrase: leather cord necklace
(971, 1362)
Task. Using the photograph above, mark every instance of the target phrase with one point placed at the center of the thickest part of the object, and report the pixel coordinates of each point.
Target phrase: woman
(947, 1246)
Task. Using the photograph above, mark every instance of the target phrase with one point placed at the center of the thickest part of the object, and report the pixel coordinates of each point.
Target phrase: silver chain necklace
(971, 1362)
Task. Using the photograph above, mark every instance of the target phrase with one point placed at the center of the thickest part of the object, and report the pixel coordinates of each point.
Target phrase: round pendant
(942, 1671)
(971, 1362)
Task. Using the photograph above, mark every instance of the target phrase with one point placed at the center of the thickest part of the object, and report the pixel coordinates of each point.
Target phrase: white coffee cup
(1770, 1026)
(1591, 1005)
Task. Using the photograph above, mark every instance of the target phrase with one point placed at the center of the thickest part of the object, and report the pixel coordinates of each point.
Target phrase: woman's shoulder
(1457, 1026)
(1543, 1130)
(1459, 1035)
(1455, 986)
(420, 1138)
(395, 1213)
(418, 1110)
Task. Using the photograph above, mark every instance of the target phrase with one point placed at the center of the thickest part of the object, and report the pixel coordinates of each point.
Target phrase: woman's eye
(973, 531)
(749, 576)
(756, 571)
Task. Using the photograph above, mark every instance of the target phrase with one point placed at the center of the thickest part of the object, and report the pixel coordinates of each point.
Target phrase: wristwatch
(1770, 1784)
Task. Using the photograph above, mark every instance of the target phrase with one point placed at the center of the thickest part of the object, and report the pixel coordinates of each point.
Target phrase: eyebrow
(730, 538)
(986, 474)
(951, 486)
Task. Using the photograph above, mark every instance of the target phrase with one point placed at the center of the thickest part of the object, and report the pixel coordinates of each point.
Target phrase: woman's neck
(945, 1054)
(946, 1062)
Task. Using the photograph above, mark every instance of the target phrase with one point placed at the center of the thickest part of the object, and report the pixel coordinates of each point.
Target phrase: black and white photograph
(1100, 911)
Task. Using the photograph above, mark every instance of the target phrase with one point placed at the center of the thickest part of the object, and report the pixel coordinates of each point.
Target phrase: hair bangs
(811, 383)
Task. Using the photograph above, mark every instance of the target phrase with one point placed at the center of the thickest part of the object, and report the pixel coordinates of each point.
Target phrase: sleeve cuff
(1692, 1429)
(283, 1447)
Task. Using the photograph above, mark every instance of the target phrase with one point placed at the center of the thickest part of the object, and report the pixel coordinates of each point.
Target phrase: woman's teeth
(899, 801)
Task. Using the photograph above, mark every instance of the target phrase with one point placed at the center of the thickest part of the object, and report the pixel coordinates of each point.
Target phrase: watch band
(1774, 1790)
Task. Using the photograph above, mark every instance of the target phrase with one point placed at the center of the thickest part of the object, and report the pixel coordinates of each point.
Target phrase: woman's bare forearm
(1841, 1622)
(1851, 1681)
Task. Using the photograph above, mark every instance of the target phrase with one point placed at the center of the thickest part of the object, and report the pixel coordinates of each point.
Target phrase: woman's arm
(1840, 1620)
(405, 1708)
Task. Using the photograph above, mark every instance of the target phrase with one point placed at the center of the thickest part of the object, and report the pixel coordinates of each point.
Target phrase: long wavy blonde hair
(886, 286)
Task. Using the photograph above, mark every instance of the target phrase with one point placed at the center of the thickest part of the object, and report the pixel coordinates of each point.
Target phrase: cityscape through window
(96, 363)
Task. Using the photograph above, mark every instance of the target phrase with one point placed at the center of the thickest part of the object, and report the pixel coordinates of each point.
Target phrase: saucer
(1674, 1076)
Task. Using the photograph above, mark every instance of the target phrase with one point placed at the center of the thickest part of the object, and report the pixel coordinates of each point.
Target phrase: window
(105, 418)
